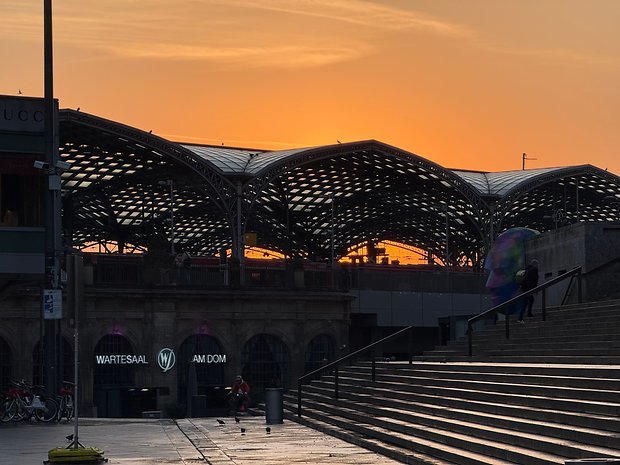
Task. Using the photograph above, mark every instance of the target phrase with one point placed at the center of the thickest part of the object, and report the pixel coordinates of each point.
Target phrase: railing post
(374, 366)
(299, 399)
(579, 286)
(544, 305)
(336, 393)
(470, 330)
(507, 319)
(411, 346)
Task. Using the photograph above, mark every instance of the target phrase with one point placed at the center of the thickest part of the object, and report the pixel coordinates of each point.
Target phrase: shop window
(20, 200)
(5, 365)
(113, 374)
(320, 351)
(265, 363)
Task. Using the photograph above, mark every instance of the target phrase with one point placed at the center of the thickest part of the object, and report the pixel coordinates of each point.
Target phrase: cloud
(559, 55)
(375, 15)
(274, 56)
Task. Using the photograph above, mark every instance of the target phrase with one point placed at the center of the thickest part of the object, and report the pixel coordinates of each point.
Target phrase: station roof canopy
(129, 186)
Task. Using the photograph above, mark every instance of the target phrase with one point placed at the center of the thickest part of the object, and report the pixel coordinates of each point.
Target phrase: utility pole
(523, 158)
(51, 305)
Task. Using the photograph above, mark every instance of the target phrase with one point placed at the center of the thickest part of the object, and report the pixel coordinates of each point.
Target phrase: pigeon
(237, 420)
(268, 429)
(221, 422)
(70, 437)
(242, 430)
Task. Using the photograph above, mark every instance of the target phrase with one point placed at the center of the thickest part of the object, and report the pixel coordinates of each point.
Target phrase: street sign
(52, 304)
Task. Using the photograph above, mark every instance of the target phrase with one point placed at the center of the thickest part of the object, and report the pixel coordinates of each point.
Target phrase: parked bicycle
(24, 401)
(65, 402)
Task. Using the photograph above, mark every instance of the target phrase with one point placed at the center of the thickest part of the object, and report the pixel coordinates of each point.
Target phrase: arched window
(265, 363)
(109, 374)
(200, 369)
(320, 351)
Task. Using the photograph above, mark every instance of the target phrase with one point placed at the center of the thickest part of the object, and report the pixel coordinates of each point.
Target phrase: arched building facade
(159, 337)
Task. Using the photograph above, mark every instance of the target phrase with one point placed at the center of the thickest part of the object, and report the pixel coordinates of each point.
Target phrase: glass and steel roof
(132, 187)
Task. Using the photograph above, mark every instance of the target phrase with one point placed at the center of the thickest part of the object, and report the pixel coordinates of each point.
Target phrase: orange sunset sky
(465, 83)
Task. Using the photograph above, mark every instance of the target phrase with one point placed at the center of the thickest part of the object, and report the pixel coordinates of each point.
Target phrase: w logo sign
(166, 359)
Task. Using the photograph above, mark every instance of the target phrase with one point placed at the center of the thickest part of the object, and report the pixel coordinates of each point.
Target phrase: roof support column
(239, 248)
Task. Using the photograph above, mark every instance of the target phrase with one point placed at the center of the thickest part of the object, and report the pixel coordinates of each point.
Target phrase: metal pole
(447, 238)
(76, 380)
(52, 205)
(171, 217)
(332, 234)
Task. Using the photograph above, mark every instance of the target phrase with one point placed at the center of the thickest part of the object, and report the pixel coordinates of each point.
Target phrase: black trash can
(274, 411)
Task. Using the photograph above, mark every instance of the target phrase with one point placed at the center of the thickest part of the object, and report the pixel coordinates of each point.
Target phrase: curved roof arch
(363, 191)
(117, 187)
(559, 196)
(300, 200)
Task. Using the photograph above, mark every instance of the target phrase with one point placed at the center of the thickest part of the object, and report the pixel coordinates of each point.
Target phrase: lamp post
(53, 239)
(168, 182)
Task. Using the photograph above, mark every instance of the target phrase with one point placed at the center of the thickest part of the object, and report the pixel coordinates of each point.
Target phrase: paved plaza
(186, 441)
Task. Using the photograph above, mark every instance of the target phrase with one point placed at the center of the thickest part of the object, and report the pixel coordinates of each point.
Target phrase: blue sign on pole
(52, 304)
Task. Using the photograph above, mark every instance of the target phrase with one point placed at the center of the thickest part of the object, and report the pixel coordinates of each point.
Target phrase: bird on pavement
(221, 422)
(268, 429)
(242, 430)
(237, 420)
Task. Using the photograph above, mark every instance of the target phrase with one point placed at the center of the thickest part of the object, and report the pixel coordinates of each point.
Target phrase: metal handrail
(336, 363)
(543, 287)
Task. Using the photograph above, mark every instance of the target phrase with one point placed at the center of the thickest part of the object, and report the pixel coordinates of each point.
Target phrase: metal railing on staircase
(334, 366)
(520, 299)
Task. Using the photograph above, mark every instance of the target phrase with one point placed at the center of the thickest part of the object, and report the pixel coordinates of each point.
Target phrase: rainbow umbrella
(506, 257)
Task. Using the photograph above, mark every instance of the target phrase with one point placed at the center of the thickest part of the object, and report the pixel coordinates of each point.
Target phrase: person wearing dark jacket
(530, 281)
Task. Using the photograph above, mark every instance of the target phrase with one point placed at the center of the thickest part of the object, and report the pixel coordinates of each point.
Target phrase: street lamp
(168, 182)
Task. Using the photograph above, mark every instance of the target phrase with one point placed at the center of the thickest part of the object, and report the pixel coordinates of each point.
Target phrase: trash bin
(592, 461)
(273, 406)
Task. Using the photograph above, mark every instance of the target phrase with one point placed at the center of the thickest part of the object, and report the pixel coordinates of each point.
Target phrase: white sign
(52, 304)
(119, 359)
(166, 359)
(22, 114)
(209, 358)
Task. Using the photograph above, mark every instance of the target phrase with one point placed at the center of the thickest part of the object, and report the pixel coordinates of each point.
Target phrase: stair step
(549, 393)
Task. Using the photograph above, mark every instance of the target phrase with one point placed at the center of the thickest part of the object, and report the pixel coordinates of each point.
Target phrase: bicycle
(25, 401)
(65, 402)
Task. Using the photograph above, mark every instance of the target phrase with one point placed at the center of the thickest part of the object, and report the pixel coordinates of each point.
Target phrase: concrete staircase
(549, 394)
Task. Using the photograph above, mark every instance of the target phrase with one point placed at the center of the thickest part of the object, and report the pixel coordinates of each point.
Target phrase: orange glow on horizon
(460, 83)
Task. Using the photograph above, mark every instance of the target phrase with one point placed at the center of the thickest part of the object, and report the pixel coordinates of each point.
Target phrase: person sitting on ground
(530, 281)
(239, 395)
